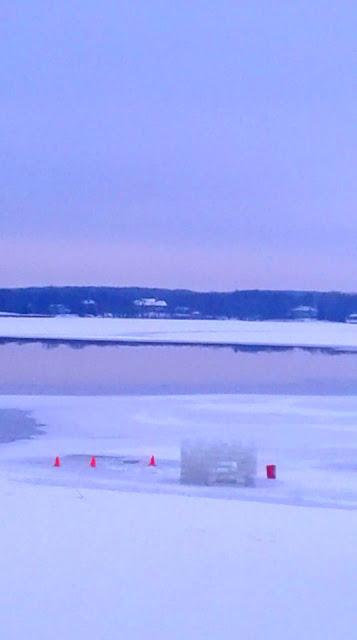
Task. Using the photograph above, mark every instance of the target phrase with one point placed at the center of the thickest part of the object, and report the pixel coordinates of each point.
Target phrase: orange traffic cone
(93, 462)
(57, 462)
(152, 462)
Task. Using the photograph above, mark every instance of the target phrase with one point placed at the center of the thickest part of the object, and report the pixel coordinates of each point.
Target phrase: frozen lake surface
(90, 553)
(311, 439)
(126, 549)
(311, 334)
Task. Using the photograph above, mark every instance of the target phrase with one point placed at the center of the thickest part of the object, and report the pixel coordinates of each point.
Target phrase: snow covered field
(210, 332)
(124, 550)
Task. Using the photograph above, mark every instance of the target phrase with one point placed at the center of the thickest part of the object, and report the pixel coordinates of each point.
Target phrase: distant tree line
(120, 301)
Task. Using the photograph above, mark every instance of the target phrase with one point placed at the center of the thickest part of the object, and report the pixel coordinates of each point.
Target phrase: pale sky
(205, 145)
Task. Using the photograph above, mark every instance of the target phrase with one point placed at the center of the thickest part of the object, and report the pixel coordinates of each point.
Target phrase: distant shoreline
(162, 303)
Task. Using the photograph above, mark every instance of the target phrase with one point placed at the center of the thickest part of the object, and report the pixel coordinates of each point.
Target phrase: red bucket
(271, 471)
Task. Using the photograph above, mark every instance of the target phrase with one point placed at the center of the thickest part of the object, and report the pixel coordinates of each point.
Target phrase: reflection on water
(91, 369)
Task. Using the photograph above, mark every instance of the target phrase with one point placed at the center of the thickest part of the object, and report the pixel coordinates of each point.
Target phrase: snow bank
(97, 564)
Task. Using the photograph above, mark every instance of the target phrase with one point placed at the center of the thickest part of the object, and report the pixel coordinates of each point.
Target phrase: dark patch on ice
(236, 346)
(18, 425)
(112, 461)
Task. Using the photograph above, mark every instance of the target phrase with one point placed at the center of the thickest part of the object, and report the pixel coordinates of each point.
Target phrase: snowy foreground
(211, 332)
(125, 551)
